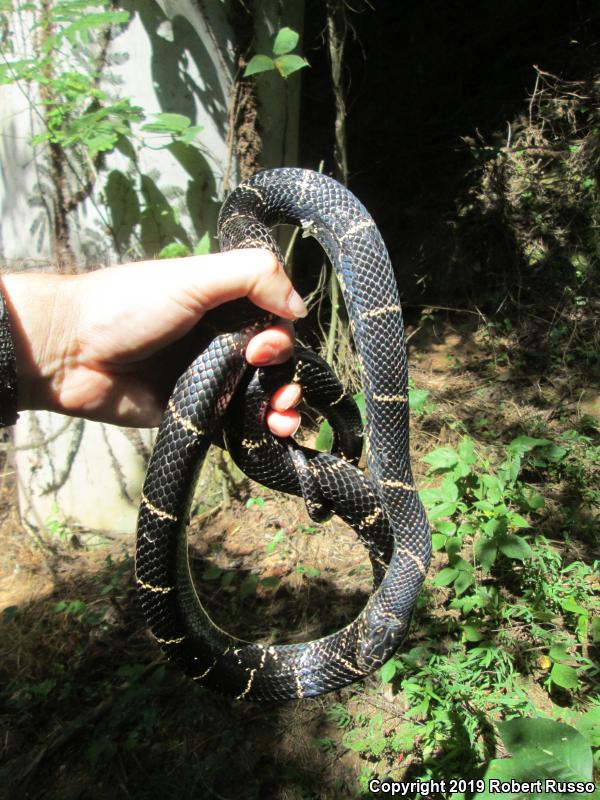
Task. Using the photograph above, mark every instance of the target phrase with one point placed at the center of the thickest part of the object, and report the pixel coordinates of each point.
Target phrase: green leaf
(203, 245)
(447, 527)
(553, 744)
(558, 653)
(173, 124)
(98, 20)
(453, 545)
(494, 527)
(324, 441)
(462, 583)
(312, 572)
(509, 469)
(377, 744)
(174, 250)
(564, 676)
(212, 572)
(354, 741)
(100, 142)
(466, 451)
(522, 444)
(517, 521)
(486, 552)
(278, 539)
(416, 399)
(582, 628)
(258, 64)
(555, 452)
(441, 458)
(286, 65)
(388, 670)
(462, 565)
(255, 502)
(227, 579)
(445, 576)
(541, 749)
(429, 497)
(188, 136)
(571, 605)
(438, 540)
(494, 488)
(589, 725)
(472, 633)
(359, 399)
(595, 629)
(533, 500)
(484, 505)
(449, 489)
(514, 546)
(285, 41)
(271, 582)
(248, 586)
(441, 510)
(460, 470)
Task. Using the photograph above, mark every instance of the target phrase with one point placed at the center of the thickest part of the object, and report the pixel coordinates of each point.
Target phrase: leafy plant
(419, 400)
(486, 503)
(450, 697)
(277, 540)
(77, 113)
(282, 59)
(57, 526)
(255, 502)
(562, 673)
(305, 569)
(548, 754)
(80, 123)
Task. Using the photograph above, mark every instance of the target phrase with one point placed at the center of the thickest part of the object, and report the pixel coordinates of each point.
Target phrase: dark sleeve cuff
(8, 369)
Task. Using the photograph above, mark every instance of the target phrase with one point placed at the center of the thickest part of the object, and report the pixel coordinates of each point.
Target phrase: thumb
(253, 273)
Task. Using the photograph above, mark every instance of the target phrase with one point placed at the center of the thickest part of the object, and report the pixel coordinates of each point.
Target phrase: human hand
(104, 344)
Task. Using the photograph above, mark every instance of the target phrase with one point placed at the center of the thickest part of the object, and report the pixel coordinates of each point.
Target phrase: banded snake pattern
(384, 508)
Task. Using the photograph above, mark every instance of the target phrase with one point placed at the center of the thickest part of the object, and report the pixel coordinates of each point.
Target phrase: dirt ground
(265, 572)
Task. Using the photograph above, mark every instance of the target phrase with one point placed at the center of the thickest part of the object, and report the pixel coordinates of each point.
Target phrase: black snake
(384, 509)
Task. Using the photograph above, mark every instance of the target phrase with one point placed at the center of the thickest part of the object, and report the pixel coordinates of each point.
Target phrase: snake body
(384, 508)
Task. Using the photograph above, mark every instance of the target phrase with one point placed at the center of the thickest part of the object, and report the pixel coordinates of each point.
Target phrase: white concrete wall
(176, 56)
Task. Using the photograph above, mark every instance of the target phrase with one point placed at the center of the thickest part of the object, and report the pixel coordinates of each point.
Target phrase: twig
(444, 308)
(533, 96)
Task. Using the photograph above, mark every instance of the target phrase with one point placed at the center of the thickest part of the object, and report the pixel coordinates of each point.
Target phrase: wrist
(42, 326)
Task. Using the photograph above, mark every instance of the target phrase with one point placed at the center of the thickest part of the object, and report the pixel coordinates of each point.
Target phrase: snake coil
(384, 509)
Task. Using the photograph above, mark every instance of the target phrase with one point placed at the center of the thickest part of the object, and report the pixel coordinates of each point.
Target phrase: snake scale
(384, 509)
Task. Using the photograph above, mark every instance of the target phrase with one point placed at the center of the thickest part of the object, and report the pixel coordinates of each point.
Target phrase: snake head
(380, 644)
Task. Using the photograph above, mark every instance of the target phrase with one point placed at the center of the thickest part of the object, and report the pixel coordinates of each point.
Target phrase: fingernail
(265, 355)
(288, 397)
(296, 305)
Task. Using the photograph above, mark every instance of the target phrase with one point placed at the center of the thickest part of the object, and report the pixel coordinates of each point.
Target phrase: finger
(286, 397)
(272, 346)
(283, 423)
(252, 273)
